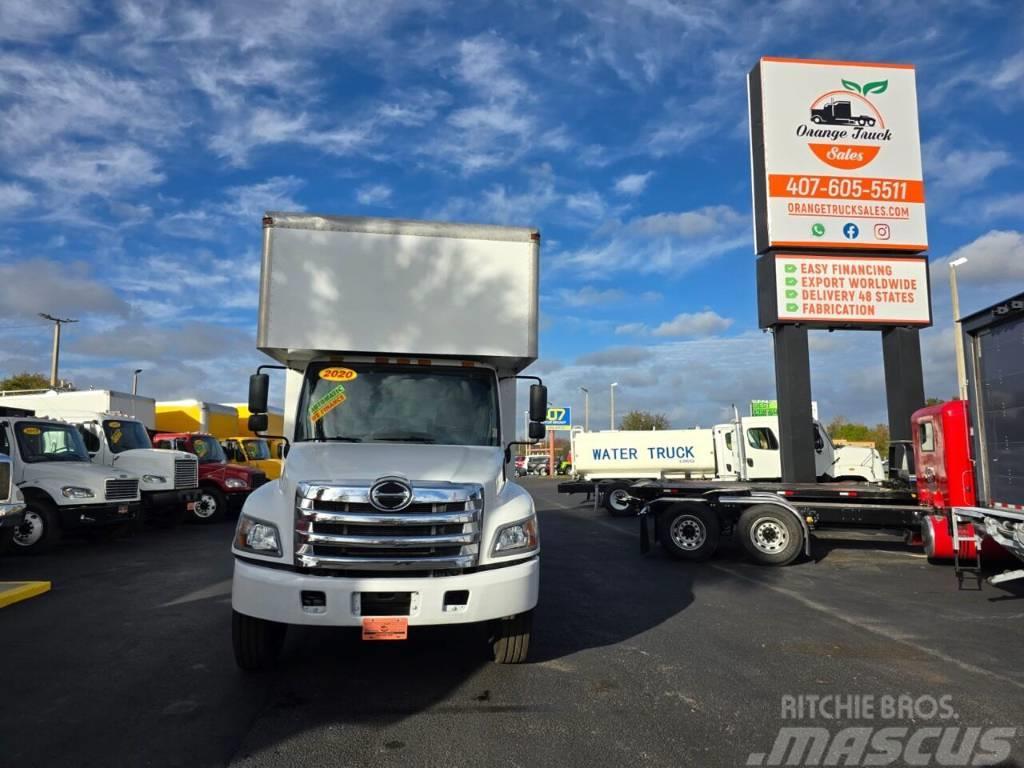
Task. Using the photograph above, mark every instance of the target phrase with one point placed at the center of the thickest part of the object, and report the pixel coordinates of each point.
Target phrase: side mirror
(537, 430)
(259, 390)
(258, 421)
(538, 404)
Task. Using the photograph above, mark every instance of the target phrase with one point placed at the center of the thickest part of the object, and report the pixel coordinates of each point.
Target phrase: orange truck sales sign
(843, 291)
(836, 156)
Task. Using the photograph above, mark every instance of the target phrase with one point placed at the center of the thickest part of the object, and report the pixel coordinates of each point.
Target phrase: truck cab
(222, 486)
(64, 491)
(254, 452)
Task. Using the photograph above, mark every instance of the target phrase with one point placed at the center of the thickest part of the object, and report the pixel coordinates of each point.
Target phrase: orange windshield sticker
(32, 431)
(327, 403)
(338, 374)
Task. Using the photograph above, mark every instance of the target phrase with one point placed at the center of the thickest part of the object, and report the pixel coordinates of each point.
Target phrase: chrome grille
(118, 490)
(337, 527)
(186, 473)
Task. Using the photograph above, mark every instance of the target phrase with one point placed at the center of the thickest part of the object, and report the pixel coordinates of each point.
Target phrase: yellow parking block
(16, 591)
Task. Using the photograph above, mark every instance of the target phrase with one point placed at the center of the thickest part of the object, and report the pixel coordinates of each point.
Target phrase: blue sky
(140, 143)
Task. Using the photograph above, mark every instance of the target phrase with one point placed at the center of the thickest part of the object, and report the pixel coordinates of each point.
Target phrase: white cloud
(706, 323)
(14, 197)
(373, 194)
(30, 21)
(1010, 74)
(588, 296)
(958, 169)
(633, 183)
(631, 329)
(1004, 207)
(589, 205)
(62, 289)
(995, 258)
(74, 172)
(615, 357)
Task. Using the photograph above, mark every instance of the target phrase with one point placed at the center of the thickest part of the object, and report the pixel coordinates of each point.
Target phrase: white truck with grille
(113, 427)
(64, 491)
(401, 343)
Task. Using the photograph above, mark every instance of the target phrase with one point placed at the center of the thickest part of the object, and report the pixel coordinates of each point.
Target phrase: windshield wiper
(412, 437)
(332, 439)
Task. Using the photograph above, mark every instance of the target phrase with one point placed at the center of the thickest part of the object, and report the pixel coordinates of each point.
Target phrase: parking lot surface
(636, 660)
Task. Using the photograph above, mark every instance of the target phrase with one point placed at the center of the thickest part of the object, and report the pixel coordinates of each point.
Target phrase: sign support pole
(551, 453)
(793, 384)
(904, 379)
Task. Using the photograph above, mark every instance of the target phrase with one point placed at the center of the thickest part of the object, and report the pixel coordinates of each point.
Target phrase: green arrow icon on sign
(790, 281)
(790, 294)
(792, 307)
(791, 267)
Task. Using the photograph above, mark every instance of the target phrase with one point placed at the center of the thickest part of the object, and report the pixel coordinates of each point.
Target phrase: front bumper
(12, 514)
(168, 503)
(275, 594)
(97, 515)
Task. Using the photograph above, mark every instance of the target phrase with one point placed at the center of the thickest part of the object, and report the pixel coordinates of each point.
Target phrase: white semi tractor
(609, 462)
(401, 343)
(64, 491)
(113, 426)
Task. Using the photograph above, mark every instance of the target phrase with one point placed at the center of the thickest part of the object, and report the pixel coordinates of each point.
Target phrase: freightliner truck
(113, 426)
(401, 343)
(64, 491)
(12, 503)
(607, 463)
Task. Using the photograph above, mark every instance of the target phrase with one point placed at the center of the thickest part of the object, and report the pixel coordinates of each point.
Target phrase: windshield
(207, 450)
(398, 403)
(46, 441)
(125, 435)
(256, 450)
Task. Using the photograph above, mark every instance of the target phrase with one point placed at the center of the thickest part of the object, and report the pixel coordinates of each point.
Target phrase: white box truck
(64, 491)
(401, 342)
(609, 462)
(114, 426)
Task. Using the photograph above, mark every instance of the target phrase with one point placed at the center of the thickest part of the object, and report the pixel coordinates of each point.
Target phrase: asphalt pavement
(636, 660)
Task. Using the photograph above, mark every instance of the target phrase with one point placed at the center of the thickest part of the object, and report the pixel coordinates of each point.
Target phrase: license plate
(123, 509)
(385, 628)
(191, 505)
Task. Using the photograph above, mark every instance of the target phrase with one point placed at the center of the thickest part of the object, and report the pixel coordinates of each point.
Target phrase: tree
(644, 420)
(841, 429)
(25, 380)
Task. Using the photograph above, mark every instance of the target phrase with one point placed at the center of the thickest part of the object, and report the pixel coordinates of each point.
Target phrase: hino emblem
(390, 494)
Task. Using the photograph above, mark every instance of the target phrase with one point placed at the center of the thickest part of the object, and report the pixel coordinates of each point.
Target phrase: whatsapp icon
(818, 229)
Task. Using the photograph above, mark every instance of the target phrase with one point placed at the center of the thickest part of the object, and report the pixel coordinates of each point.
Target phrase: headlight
(76, 492)
(235, 482)
(517, 537)
(257, 536)
(154, 479)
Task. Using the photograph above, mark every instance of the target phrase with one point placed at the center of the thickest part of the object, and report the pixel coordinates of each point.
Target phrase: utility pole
(586, 408)
(958, 335)
(55, 359)
(612, 389)
(135, 381)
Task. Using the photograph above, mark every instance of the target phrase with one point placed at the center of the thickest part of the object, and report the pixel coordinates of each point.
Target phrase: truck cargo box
(660, 454)
(66, 404)
(422, 289)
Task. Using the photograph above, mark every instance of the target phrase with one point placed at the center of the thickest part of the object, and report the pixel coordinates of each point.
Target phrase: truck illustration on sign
(839, 113)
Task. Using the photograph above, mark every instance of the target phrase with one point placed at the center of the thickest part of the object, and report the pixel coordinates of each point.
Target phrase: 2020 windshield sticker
(32, 431)
(327, 403)
(338, 374)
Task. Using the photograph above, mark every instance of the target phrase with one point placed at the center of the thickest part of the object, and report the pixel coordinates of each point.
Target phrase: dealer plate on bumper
(385, 628)
(123, 509)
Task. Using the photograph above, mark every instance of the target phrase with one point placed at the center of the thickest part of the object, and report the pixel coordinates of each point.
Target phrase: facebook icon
(851, 231)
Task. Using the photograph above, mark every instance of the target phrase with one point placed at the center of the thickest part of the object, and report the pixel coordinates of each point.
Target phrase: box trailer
(401, 343)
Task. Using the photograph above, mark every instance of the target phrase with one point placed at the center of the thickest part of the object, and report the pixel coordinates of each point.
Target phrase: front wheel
(257, 642)
(511, 640)
(770, 535)
(40, 530)
(211, 506)
(689, 532)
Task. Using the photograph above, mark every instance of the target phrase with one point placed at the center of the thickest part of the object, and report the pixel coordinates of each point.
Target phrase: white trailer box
(656, 454)
(90, 400)
(414, 288)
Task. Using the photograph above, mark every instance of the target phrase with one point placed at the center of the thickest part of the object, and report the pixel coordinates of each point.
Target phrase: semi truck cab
(254, 452)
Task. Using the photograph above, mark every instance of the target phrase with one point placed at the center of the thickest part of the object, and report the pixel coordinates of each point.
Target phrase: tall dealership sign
(839, 225)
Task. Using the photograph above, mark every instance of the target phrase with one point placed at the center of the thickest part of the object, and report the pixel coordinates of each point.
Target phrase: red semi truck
(223, 486)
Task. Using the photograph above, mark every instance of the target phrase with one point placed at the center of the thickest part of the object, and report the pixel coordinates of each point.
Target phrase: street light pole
(135, 381)
(958, 337)
(612, 389)
(55, 357)
(586, 408)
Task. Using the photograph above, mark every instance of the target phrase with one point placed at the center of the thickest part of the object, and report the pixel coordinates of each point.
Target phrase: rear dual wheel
(688, 531)
(771, 535)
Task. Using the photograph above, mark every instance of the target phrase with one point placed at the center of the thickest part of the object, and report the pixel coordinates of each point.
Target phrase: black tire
(40, 531)
(771, 535)
(612, 500)
(257, 642)
(511, 639)
(688, 531)
(211, 506)
(816, 119)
